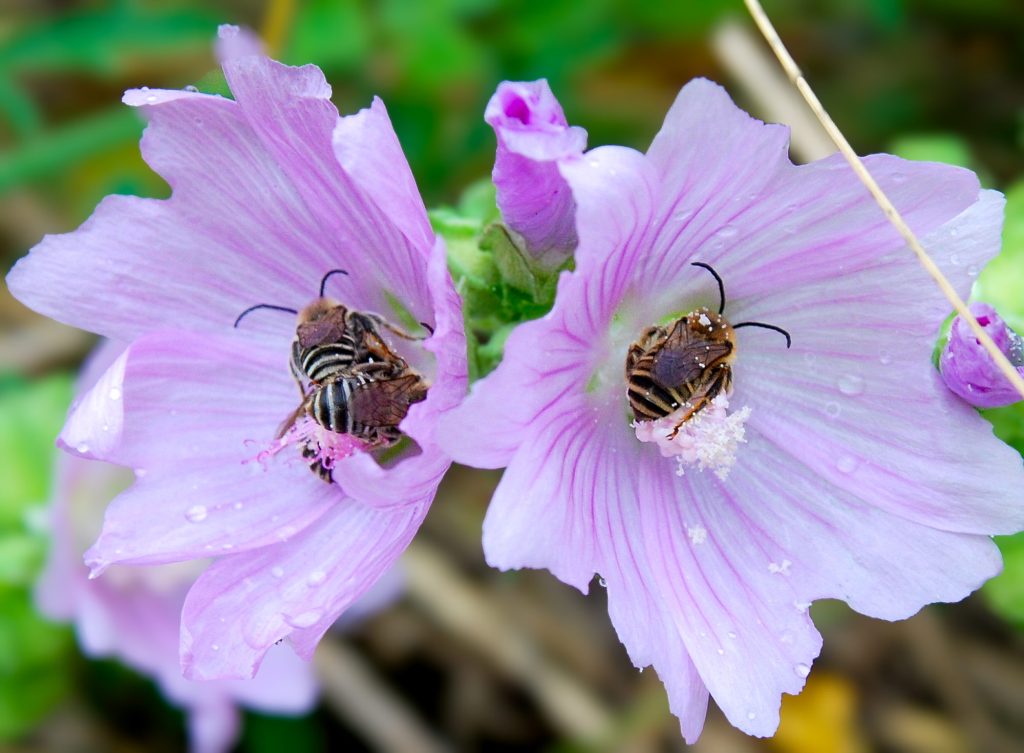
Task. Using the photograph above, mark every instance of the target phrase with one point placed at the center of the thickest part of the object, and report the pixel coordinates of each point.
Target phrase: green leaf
(933, 147)
(1005, 592)
(30, 418)
(1002, 280)
(50, 152)
(33, 655)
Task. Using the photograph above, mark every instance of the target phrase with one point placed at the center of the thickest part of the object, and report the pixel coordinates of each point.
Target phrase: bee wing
(385, 402)
(290, 421)
(329, 328)
(684, 357)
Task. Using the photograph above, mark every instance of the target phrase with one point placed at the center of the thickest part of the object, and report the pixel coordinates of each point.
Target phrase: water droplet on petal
(191, 88)
(215, 647)
(898, 177)
(954, 259)
(82, 448)
(728, 231)
(721, 652)
(751, 715)
(682, 216)
(115, 393)
(141, 472)
(972, 270)
(846, 464)
(277, 572)
(196, 514)
(885, 357)
(851, 384)
(832, 409)
(316, 578)
(802, 670)
(731, 635)
(238, 505)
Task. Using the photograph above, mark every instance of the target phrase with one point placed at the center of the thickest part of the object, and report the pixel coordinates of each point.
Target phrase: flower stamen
(707, 439)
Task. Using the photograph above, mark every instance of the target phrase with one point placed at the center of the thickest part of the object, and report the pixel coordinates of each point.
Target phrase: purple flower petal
(270, 191)
(245, 603)
(861, 478)
(204, 493)
(533, 138)
(368, 150)
(967, 368)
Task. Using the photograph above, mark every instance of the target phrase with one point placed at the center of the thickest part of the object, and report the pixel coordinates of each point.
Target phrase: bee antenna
(323, 282)
(718, 279)
(780, 330)
(427, 327)
(262, 306)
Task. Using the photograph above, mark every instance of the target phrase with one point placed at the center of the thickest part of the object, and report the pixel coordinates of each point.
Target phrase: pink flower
(967, 368)
(848, 472)
(270, 191)
(534, 199)
(132, 613)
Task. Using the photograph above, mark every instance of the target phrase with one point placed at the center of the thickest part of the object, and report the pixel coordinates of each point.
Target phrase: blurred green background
(928, 79)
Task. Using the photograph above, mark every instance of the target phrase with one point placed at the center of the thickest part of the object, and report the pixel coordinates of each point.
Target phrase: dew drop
(151, 99)
(972, 270)
(885, 357)
(141, 472)
(215, 647)
(721, 652)
(191, 88)
(728, 231)
(144, 88)
(801, 606)
(954, 259)
(851, 384)
(196, 514)
(751, 715)
(105, 427)
(832, 409)
(82, 448)
(316, 578)
(809, 358)
(115, 393)
(898, 177)
(305, 619)
(238, 505)
(277, 572)
(846, 464)
(682, 216)
(802, 670)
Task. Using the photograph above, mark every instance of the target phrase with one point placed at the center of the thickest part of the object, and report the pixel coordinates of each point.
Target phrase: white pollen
(698, 534)
(709, 439)
(782, 569)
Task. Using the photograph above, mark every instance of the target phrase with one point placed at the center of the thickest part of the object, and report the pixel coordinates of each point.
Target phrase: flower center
(708, 439)
(679, 378)
(320, 447)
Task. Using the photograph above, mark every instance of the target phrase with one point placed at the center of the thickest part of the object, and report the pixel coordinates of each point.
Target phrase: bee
(366, 404)
(688, 363)
(350, 381)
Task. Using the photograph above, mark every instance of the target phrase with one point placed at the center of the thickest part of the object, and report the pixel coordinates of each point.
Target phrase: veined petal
(731, 198)
(290, 111)
(368, 150)
(245, 603)
(857, 397)
(202, 494)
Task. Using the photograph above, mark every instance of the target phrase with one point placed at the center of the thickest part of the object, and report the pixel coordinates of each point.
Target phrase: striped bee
(686, 364)
(350, 381)
(367, 404)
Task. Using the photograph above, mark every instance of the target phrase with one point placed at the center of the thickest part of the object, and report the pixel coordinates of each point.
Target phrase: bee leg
(400, 332)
